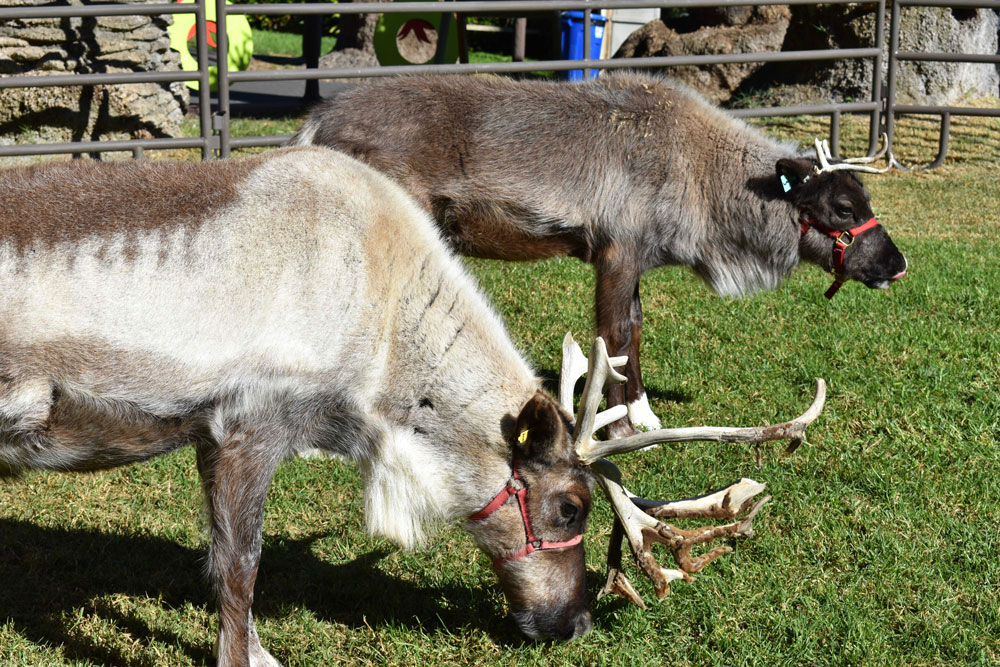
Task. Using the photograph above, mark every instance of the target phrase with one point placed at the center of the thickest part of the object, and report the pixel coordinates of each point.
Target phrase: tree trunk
(357, 31)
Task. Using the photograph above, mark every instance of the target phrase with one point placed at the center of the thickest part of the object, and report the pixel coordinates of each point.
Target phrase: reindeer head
(839, 231)
(533, 529)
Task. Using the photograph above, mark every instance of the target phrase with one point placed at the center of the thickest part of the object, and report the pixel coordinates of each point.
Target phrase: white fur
(304, 137)
(641, 415)
(26, 404)
(405, 489)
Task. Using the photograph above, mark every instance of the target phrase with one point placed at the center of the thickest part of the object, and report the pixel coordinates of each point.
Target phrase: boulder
(922, 29)
(350, 58)
(717, 30)
(732, 30)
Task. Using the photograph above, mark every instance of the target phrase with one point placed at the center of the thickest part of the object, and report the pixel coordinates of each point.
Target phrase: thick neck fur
(721, 208)
(450, 378)
(753, 244)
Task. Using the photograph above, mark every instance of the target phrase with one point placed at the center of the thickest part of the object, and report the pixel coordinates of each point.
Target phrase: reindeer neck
(455, 373)
(748, 214)
(450, 376)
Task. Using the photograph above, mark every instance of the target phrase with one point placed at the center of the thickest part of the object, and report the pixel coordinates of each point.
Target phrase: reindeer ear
(541, 433)
(793, 172)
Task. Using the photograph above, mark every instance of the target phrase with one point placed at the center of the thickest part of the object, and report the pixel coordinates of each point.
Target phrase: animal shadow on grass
(49, 572)
(550, 382)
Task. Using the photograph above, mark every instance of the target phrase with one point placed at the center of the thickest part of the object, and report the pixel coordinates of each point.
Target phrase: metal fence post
(890, 102)
(877, 114)
(220, 122)
(312, 38)
(204, 85)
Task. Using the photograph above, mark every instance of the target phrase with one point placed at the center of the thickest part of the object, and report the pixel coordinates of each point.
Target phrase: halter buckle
(848, 236)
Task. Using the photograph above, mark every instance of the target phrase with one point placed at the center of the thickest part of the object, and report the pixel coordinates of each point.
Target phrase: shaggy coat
(628, 172)
(264, 306)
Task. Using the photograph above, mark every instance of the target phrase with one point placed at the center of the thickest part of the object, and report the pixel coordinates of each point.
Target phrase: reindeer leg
(639, 412)
(236, 474)
(619, 324)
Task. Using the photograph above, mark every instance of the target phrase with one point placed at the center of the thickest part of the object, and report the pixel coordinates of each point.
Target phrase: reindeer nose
(902, 273)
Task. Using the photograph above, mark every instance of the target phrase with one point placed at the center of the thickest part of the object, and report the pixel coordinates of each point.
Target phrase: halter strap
(841, 239)
(517, 487)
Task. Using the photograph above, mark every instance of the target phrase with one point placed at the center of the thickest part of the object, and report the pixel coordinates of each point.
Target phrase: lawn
(880, 546)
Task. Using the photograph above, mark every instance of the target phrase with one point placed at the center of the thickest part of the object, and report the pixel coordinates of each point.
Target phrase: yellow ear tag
(523, 438)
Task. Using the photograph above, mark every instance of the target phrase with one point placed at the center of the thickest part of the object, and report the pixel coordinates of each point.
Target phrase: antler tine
(600, 373)
(634, 522)
(884, 140)
(638, 523)
(850, 164)
(823, 153)
(574, 365)
(793, 430)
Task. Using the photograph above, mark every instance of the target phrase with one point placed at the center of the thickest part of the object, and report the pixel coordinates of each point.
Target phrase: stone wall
(805, 27)
(112, 44)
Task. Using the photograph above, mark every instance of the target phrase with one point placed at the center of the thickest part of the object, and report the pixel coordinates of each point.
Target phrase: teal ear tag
(785, 184)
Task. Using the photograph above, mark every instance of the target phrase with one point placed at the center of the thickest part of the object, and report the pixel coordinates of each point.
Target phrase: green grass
(289, 44)
(880, 546)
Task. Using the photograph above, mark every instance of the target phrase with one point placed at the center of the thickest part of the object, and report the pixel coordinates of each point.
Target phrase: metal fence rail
(216, 140)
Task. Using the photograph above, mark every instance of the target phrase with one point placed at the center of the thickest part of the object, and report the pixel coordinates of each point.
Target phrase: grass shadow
(550, 382)
(50, 572)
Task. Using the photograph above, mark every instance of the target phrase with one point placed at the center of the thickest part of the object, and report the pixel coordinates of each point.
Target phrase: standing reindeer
(259, 307)
(628, 172)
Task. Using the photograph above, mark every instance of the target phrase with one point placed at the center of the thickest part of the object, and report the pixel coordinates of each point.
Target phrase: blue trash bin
(572, 40)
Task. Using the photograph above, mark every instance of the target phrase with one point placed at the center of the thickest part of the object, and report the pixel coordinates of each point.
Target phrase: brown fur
(37, 207)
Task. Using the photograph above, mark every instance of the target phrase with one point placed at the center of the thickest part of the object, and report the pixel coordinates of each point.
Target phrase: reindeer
(256, 308)
(629, 172)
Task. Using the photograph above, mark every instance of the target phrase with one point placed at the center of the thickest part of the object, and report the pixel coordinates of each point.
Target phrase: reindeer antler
(600, 373)
(851, 164)
(637, 519)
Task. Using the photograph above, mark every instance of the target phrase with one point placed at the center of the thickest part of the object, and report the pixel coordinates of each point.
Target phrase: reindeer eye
(569, 510)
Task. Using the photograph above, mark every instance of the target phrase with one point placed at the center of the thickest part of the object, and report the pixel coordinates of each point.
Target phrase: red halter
(841, 239)
(517, 488)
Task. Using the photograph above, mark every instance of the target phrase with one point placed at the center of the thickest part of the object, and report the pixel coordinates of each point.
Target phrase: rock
(944, 30)
(922, 29)
(26, 54)
(34, 32)
(762, 29)
(350, 58)
(719, 30)
(122, 23)
(87, 113)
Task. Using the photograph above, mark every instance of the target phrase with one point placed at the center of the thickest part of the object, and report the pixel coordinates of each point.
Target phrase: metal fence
(215, 138)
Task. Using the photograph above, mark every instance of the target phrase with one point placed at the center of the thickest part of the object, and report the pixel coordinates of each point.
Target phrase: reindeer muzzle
(842, 239)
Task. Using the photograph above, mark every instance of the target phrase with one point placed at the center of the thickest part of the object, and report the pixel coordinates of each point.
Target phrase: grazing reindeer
(259, 307)
(628, 172)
